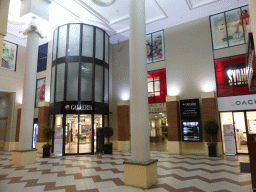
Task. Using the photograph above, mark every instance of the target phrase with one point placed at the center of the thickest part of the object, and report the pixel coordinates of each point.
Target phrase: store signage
(78, 107)
(190, 109)
(229, 139)
(237, 75)
(245, 102)
(157, 107)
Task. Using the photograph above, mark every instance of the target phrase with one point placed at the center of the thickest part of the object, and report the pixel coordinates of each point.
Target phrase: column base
(142, 175)
(10, 146)
(39, 146)
(23, 157)
(174, 147)
(124, 145)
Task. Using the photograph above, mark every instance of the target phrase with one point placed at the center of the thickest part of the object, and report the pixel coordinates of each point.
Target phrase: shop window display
(231, 76)
(156, 86)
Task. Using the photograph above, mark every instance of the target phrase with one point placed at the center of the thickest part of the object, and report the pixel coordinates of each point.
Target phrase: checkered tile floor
(177, 173)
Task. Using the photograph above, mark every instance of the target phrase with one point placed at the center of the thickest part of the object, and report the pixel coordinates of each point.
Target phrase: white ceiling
(114, 19)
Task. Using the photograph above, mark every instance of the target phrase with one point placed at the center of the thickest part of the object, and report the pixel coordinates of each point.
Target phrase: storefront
(237, 119)
(79, 87)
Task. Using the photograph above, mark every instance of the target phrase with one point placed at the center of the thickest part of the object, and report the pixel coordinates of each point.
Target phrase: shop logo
(237, 75)
(249, 102)
(67, 107)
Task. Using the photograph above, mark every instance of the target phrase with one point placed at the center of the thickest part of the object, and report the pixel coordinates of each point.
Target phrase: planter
(212, 151)
(46, 152)
(108, 149)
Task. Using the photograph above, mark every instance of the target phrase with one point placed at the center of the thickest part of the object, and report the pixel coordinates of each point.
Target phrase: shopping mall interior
(153, 72)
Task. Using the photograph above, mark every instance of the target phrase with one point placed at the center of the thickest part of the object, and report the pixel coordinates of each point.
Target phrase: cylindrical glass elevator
(79, 85)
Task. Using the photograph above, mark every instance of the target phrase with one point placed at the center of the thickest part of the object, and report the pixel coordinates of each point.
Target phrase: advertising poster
(58, 141)
(191, 131)
(219, 34)
(158, 46)
(149, 49)
(40, 91)
(229, 139)
(9, 56)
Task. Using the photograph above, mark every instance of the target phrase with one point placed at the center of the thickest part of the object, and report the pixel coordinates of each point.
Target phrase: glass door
(85, 134)
(240, 132)
(71, 133)
(251, 121)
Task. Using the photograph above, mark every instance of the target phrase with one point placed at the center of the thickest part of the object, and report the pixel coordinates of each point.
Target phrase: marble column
(28, 100)
(141, 171)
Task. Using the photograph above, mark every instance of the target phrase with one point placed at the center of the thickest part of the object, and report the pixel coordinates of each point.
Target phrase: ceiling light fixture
(100, 3)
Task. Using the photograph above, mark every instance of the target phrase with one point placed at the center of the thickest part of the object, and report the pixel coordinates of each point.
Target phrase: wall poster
(40, 91)
(230, 28)
(229, 139)
(155, 47)
(9, 55)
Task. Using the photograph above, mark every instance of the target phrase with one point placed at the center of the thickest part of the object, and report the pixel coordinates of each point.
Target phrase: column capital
(205, 95)
(120, 103)
(172, 98)
(32, 27)
(43, 104)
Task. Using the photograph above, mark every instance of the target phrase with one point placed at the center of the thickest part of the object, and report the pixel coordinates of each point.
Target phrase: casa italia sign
(237, 103)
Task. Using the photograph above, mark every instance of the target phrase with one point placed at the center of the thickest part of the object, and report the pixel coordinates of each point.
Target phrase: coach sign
(237, 103)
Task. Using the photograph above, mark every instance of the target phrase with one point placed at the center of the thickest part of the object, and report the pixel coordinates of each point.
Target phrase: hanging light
(100, 3)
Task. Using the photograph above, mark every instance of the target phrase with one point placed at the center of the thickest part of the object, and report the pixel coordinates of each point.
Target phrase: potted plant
(212, 128)
(108, 132)
(47, 133)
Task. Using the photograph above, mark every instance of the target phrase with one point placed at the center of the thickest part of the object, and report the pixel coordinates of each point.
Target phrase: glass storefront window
(87, 49)
(62, 41)
(99, 44)
(85, 132)
(251, 121)
(52, 84)
(60, 82)
(98, 83)
(106, 48)
(54, 48)
(86, 81)
(72, 81)
(71, 131)
(74, 39)
(97, 124)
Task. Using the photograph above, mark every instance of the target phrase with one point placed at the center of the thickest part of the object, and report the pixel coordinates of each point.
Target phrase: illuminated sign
(78, 107)
(237, 75)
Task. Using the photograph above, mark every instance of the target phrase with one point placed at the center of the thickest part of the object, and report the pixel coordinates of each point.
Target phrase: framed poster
(40, 91)
(9, 55)
(149, 48)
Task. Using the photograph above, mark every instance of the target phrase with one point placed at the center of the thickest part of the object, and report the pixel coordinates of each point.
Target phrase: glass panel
(74, 40)
(157, 86)
(219, 34)
(246, 19)
(87, 49)
(150, 87)
(251, 122)
(240, 132)
(72, 81)
(149, 49)
(71, 134)
(227, 133)
(86, 82)
(99, 44)
(85, 131)
(97, 124)
(106, 48)
(62, 41)
(54, 48)
(235, 32)
(52, 84)
(60, 82)
(106, 86)
(98, 83)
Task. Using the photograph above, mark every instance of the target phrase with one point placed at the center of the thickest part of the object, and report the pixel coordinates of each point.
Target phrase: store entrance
(158, 131)
(80, 131)
(235, 127)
